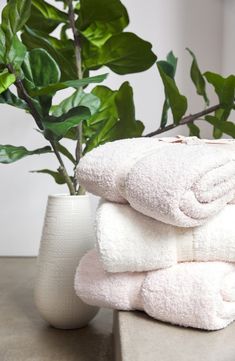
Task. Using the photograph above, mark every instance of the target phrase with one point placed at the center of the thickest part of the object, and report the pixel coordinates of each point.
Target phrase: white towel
(200, 295)
(129, 241)
(182, 184)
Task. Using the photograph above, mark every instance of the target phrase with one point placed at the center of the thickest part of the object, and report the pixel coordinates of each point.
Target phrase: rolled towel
(129, 241)
(182, 184)
(200, 295)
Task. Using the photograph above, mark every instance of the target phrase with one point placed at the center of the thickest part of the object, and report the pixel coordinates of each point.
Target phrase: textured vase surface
(67, 235)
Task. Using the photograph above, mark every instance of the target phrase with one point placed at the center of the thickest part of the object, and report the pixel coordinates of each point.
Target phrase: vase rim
(66, 195)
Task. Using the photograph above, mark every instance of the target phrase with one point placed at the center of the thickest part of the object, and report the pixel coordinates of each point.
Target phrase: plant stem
(77, 50)
(24, 95)
(62, 169)
(186, 120)
(35, 114)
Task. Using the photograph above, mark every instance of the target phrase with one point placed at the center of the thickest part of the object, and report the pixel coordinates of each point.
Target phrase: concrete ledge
(137, 337)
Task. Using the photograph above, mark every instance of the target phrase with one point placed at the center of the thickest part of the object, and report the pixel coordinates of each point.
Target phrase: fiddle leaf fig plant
(35, 64)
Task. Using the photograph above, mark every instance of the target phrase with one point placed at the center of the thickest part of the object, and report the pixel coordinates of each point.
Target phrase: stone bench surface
(137, 337)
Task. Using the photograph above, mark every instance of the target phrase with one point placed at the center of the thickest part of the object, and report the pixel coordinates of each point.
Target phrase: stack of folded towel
(165, 229)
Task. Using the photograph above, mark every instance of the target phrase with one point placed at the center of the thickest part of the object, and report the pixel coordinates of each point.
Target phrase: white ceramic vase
(67, 235)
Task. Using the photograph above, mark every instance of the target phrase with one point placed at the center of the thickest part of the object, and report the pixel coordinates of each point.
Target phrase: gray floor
(25, 337)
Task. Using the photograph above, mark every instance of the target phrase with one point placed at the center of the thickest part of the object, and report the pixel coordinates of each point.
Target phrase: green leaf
(107, 107)
(2, 45)
(224, 126)
(65, 152)
(61, 125)
(225, 89)
(217, 133)
(38, 22)
(11, 153)
(7, 97)
(216, 80)
(99, 23)
(170, 69)
(171, 59)
(177, 102)
(40, 69)
(197, 78)
(97, 126)
(50, 12)
(14, 16)
(123, 53)
(61, 51)
(79, 97)
(116, 118)
(193, 130)
(6, 79)
(16, 53)
(59, 179)
(127, 126)
(52, 88)
(63, 32)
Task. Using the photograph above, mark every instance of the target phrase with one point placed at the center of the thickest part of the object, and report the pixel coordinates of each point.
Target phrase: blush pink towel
(200, 295)
(182, 184)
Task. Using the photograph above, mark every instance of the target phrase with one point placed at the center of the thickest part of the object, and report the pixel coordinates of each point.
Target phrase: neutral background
(206, 26)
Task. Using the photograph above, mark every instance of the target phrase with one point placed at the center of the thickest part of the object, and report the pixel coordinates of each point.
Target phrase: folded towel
(129, 241)
(182, 184)
(200, 295)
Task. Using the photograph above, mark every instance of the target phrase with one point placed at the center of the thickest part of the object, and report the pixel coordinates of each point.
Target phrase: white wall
(172, 24)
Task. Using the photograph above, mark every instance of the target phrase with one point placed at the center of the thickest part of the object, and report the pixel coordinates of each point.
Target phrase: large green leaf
(16, 53)
(216, 80)
(40, 70)
(58, 178)
(97, 126)
(6, 79)
(14, 16)
(224, 126)
(61, 125)
(50, 12)
(61, 51)
(2, 45)
(116, 118)
(170, 70)
(123, 53)
(197, 78)
(127, 126)
(7, 97)
(177, 102)
(11, 153)
(79, 97)
(107, 107)
(225, 89)
(52, 88)
(98, 22)
(38, 22)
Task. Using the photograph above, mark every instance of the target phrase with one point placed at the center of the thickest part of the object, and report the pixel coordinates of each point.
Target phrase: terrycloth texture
(200, 295)
(129, 241)
(182, 184)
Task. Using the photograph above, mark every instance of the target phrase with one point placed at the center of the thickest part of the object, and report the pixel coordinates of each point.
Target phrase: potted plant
(34, 66)
(38, 65)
